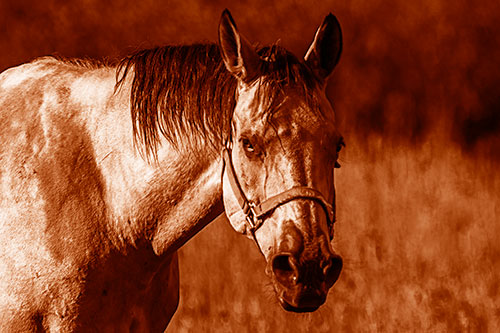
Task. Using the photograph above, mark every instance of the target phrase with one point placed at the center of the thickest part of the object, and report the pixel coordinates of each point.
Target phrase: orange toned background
(417, 97)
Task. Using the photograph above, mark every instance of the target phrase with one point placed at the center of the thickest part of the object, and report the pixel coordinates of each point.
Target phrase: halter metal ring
(253, 220)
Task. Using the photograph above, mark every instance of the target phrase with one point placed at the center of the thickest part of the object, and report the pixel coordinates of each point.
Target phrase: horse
(107, 169)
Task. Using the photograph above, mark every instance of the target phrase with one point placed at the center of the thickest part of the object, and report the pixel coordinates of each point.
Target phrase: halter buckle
(253, 221)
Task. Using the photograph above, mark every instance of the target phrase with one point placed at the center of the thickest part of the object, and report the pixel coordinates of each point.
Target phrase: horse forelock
(185, 94)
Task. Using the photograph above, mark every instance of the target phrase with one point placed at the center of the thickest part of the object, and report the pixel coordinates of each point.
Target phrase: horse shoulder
(66, 164)
(51, 207)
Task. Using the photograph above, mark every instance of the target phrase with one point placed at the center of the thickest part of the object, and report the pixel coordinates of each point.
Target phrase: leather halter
(255, 213)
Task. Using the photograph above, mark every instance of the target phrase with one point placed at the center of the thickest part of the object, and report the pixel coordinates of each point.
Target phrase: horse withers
(107, 170)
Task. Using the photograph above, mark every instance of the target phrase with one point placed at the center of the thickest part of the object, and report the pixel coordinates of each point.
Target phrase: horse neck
(186, 197)
(160, 203)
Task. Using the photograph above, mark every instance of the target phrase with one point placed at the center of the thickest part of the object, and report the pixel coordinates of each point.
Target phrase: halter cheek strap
(255, 213)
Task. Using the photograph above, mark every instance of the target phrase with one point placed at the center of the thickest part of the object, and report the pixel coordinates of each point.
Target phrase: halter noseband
(255, 213)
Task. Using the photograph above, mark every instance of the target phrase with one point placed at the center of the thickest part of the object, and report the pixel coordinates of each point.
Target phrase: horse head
(278, 183)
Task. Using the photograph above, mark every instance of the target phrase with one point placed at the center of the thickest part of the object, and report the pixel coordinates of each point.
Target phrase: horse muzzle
(303, 287)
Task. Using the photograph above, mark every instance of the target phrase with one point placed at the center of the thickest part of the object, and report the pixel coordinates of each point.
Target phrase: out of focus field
(417, 99)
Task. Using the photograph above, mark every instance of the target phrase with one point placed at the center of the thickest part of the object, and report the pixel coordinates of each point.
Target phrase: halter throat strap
(255, 213)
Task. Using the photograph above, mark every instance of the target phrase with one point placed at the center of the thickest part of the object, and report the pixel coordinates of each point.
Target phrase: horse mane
(178, 92)
(185, 93)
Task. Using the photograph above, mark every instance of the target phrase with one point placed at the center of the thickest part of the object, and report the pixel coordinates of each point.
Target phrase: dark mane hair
(179, 90)
(185, 93)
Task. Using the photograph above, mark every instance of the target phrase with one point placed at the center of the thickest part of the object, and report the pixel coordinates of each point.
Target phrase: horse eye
(247, 145)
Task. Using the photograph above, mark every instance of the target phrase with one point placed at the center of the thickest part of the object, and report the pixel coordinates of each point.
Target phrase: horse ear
(239, 56)
(324, 52)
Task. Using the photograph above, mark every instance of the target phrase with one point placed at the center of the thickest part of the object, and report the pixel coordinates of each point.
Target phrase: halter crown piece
(255, 213)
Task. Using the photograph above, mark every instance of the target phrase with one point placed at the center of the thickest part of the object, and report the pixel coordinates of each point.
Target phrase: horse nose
(332, 269)
(285, 269)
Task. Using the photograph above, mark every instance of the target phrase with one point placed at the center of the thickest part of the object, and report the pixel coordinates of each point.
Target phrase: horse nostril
(332, 270)
(285, 270)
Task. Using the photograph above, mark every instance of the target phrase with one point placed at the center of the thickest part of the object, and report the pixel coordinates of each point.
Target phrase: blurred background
(417, 98)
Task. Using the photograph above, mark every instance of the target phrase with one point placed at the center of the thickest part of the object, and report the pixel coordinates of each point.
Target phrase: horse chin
(288, 307)
(301, 302)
